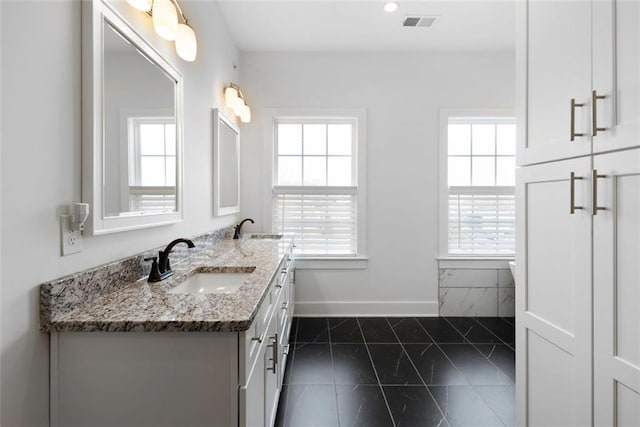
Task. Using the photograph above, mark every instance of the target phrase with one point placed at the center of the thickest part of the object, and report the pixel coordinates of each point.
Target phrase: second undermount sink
(213, 282)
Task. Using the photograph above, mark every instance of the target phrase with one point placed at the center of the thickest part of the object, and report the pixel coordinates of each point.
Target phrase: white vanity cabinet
(175, 378)
(266, 349)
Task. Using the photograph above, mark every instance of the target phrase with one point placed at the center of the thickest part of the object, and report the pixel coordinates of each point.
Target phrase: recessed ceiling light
(391, 6)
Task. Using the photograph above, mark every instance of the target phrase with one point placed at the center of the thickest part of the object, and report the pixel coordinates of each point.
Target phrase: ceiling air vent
(418, 21)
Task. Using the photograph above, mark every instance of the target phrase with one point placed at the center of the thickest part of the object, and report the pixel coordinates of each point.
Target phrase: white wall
(402, 94)
(40, 171)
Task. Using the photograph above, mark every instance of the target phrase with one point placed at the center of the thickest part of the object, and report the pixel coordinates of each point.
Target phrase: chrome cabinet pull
(573, 207)
(275, 352)
(596, 208)
(573, 119)
(258, 338)
(594, 113)
(274, 359)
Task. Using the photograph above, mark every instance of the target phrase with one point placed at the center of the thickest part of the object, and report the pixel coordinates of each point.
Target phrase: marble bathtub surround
(117, 297)
(476, 292)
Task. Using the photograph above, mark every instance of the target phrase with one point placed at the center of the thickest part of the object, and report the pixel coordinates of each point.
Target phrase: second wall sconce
(164, 14)
(235, 100)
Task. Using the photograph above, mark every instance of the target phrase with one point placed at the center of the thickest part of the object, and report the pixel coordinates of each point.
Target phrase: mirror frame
(218, 118)
(94, 13)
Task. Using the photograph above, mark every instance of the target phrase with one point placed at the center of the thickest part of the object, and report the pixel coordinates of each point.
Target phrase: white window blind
(324, 220)
(152, 199)
(481, 220)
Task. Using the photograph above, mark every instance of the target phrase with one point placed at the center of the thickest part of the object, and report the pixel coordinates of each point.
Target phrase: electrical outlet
(71, 241)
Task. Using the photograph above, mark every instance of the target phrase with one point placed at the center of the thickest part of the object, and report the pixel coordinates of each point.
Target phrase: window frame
(321, 115)
(443, 196)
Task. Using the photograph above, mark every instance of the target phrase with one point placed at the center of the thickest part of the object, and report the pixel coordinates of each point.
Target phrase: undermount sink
(266, 236)
(213, 282)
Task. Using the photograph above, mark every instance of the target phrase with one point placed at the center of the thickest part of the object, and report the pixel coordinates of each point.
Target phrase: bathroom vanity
(144, 355)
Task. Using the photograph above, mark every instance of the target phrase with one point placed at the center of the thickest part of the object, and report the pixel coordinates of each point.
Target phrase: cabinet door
(553, 295)
(271, 388)
(553, 67)
(616, 74)
(252, 397)
(616, 262)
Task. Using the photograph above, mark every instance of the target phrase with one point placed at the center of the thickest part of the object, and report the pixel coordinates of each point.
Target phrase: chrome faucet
(238, 228)
(161, 267)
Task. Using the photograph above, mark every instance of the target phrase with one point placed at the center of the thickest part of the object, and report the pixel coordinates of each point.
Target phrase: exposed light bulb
(391, 6)
(186, 43)
(141, 5)
(165, 19)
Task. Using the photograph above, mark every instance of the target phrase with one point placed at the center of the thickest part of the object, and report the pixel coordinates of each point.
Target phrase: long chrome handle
(594, 113)
(595, 207)
(574, 104)
(274, 359)
(573, 206)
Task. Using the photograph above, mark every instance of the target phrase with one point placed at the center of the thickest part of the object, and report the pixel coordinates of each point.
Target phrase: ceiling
(363, 25)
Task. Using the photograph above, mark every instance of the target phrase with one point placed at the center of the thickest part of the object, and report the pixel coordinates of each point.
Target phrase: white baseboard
(366, 308)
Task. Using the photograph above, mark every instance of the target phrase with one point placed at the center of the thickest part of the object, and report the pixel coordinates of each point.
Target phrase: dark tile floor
(454, 371)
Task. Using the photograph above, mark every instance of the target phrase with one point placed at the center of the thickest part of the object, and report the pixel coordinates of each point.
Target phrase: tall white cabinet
(578, 201)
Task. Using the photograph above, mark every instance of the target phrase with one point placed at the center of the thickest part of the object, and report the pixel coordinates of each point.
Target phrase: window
(152, 164)
(317, 193)
(480, 185)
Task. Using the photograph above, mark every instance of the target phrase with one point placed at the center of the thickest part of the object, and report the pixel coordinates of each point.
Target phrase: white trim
(443, 194)
(474, 263)
(94, 12)
(331, 263)
(220, 117)
(360, 115)
(367, 308)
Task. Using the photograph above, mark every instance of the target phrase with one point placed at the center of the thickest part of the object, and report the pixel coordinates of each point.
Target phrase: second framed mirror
(226, 165)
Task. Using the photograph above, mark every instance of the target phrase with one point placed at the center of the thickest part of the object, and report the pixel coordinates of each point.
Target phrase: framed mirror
(132, 127)
(226, 165)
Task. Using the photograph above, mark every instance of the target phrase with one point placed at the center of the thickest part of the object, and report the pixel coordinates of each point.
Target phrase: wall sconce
(235, 100)
(164, 14)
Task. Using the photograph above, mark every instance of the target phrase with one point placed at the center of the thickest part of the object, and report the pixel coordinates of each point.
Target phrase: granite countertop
(142, 306)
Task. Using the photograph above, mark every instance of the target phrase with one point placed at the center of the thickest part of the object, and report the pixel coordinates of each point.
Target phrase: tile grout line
(445, 355)
(481, 325)
(473, 387)
(456, 367)
(375, 371)
(475, 319)
(467, 343)
(444, 417)
(333, 372)
(290, 363)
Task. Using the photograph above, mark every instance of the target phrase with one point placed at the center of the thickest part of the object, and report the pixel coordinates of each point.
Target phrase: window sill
(331, 263)
(498, 262)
